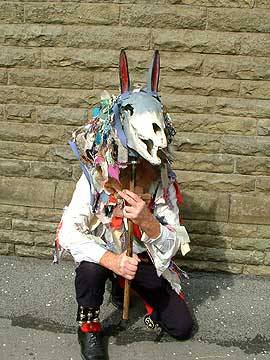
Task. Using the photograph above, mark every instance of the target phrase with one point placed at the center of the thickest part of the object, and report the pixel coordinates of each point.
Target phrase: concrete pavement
(37, 311)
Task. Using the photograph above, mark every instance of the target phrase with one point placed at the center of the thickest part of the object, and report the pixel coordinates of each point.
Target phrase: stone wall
(57, 56)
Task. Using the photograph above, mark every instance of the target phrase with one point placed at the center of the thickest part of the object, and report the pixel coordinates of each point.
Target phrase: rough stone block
(251, 209)
(191, 180)
(108, 80)
(255, 20)
(3, 77)
(51, 78)
(248, 145)
(267, 259)
(20, 113)
(263, 184)
(189, 142)
(182, 63)
(13, 211)
(37, 133)
(213, 42)
(263, 127)
(199, 41)
(32, 225)
(163, 16)
(50, 170)
(6, 249)
(255, 44)
(200, 86)
(80, 58)
(263, 4)
(20, 150)
(72, 13)
(203, 162)
(62, 152)
(206, 205)
(255, 89)
(256, 270)
(236, 67)
(75, 36)
(63, 195)
(243, 107)
(17, 237)
(27, 192)
(49, 215)
(229, 255)
(19, 56)
(210, 241)
(11, 13)
(5, 223)
(218, 3)
(264, 231)
(251, 244)
(210, 266)
(77, 172)
(214, 124)
(253, 165)
(2, 113)
(46, 96)
(185, 103)
(44, 240)
(14, 167)
(61, 116)
(228, 230)
(33, 251)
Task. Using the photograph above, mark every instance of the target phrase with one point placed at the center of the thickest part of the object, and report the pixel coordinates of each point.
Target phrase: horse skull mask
(142, 113)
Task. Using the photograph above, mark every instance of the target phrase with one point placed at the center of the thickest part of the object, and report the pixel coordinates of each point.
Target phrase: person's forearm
(151, 226)
(110, 260)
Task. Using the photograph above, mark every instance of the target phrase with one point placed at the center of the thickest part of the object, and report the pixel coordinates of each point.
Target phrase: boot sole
(83, 358)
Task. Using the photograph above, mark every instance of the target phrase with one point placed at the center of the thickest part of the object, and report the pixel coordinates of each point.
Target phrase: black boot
(90, 336)
(151, 321)
(92, 347)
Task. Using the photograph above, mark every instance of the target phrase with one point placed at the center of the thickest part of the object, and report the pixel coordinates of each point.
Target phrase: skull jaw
(146, 148)
(149, 154)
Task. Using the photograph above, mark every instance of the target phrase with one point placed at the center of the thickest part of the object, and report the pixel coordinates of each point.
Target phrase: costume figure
(94, 227)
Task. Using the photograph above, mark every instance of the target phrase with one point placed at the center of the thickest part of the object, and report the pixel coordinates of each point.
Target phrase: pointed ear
(153, 73)
(123, 72)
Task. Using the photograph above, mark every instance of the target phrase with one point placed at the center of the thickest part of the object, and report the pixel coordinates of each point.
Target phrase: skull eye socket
(156, 128)
(129, 108)
(149, 143)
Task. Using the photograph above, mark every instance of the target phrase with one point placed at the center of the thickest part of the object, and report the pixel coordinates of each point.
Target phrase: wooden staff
(130, 244)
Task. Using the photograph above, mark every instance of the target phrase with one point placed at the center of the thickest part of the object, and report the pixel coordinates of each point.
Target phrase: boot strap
(88, 314)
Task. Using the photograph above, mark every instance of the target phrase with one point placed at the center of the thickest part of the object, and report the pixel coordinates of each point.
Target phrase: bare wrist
(110, 261)
(151, 227)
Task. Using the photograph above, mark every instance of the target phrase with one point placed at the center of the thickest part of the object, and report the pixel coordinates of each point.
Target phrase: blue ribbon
(75, 150)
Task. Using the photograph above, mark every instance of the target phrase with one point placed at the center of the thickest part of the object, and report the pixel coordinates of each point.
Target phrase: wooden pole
(130, 245)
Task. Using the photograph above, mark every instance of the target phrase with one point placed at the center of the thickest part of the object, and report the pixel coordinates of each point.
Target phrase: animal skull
(143, 124)
(142, 113)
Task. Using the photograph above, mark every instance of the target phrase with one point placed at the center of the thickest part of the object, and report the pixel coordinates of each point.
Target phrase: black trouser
(171, 311)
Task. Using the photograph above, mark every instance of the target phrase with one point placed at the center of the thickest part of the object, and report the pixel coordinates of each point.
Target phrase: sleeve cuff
(86, 252)
(147, 240)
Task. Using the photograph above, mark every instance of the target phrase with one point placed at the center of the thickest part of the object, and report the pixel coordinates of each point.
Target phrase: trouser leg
(90, 284)
(171, 311)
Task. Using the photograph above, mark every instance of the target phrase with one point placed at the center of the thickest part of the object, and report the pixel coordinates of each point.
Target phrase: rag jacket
(88, 235)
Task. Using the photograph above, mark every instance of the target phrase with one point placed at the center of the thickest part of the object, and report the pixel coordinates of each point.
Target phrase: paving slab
(38, 309)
